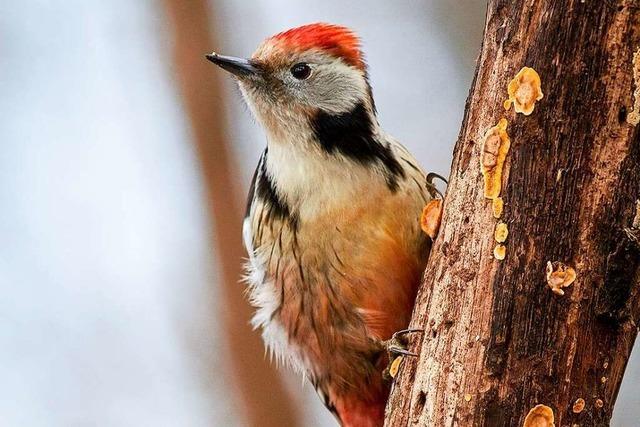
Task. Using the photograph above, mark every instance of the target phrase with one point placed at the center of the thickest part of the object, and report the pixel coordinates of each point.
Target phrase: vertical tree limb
(266, 401)
(498, 341)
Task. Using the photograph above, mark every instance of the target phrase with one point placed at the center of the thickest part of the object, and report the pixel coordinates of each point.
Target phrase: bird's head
(299, 74)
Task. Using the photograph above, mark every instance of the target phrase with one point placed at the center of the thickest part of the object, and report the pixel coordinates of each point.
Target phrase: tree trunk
(498, 340)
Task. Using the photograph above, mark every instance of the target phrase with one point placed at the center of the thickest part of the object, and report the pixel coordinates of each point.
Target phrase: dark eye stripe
(301, 71)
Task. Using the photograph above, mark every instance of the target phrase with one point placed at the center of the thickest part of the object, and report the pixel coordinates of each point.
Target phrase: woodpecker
(332, 225)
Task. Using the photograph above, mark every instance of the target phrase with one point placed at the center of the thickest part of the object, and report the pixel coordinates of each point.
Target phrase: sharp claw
(431, 185)
(397, 344)
(432, 175)
(435, 190)
(407, 331)
(398, 350)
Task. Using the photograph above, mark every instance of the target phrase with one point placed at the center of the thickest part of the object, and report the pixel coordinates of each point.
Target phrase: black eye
(301, 71)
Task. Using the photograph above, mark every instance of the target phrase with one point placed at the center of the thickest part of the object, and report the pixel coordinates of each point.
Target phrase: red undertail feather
(334, 39)
(353, 412)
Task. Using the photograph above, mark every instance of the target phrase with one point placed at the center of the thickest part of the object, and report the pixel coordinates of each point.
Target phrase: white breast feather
(263, 296)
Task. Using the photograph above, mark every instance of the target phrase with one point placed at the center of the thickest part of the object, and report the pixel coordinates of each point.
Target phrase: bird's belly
(326, 294)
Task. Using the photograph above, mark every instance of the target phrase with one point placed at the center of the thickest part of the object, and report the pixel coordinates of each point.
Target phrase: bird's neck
(331, 161)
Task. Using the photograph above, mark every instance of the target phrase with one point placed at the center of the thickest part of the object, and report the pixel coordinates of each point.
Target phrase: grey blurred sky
(105, 261)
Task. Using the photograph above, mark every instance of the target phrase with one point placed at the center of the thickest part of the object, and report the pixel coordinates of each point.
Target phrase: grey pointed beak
(239, 67)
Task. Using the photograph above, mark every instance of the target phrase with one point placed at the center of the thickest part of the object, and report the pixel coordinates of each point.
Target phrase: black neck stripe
(266, 192)
(351, 135)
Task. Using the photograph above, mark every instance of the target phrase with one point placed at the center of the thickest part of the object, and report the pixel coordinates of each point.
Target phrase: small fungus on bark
(578, 405)
(495, 147)
(395, 366)
(500, 252)
(431, 217)
(524, 90)
(540, 416)
(501, 232)
(497, 206)
(559, 276)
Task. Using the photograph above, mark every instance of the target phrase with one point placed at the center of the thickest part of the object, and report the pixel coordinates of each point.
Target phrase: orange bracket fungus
(634, 117)
(540, 416)
(495, 146)
(559, 276)
(431, 217)
(524, 90)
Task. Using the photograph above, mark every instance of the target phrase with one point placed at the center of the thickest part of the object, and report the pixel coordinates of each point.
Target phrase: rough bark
(264, 399)
(497, 340)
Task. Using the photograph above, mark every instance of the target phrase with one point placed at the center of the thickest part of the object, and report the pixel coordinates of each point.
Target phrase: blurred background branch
(266, 401)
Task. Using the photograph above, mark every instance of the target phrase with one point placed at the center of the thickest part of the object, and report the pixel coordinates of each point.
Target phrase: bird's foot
(432, 187)
(397, 344)
(396, 348)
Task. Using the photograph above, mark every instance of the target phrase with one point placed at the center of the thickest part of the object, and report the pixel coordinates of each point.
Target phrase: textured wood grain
(497, 340)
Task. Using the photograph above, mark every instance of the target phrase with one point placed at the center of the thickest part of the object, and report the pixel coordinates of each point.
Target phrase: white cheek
(250, 101)
(338, 88)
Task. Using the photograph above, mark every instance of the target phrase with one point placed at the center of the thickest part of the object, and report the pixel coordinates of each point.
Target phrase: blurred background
(125, 158)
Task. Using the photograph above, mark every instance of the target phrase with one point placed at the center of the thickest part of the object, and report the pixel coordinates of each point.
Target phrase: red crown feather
(334, 39)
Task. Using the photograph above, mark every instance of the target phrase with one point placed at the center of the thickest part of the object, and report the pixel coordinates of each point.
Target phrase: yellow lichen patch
(559, 276)
(633, 118)
(578, 405)
(524, 90)
(497, 206)
(499, 252)
(431, 217)
(501, 233)
(395, 366)
(495, 146)
(539, 416)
